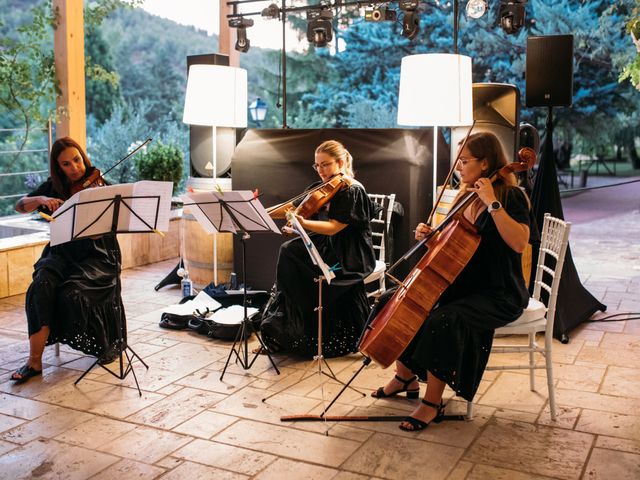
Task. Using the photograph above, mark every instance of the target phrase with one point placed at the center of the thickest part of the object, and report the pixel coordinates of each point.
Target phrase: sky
(204, 14)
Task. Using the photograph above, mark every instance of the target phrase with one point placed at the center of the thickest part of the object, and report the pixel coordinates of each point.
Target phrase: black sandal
(411, 393)
(417, 424)
(25, 372)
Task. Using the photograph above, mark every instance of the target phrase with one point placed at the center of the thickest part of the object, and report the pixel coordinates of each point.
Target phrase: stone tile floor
(190, 425)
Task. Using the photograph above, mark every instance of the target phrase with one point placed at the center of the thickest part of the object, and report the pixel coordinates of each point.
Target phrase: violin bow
(133, 152)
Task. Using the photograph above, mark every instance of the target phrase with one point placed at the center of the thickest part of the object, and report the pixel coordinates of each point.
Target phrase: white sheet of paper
(249, 213)
(90, 211)
(313, 251)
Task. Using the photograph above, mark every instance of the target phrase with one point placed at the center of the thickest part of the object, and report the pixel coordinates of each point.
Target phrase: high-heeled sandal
(417, 424)
(411, 392)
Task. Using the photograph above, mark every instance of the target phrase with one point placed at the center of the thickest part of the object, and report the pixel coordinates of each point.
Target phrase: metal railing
(48, 129)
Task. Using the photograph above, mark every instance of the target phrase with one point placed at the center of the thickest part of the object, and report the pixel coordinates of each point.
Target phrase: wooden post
(227, 36)
(69, 64)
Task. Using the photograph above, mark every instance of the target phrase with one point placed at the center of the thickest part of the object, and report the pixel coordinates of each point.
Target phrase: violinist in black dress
(74, 297)
(342, 235)
(453, 345)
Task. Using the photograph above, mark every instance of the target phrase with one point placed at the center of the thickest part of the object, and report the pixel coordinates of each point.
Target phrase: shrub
(162, 163)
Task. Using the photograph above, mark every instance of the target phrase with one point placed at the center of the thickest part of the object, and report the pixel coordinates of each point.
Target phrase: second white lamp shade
(435, 90)
(216, 96)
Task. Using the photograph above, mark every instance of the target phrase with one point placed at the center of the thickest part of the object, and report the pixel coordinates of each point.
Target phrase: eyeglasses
(463, 160)
(317, 167)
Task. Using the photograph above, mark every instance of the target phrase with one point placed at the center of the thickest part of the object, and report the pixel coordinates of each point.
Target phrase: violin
(451, 245)
(92, 179)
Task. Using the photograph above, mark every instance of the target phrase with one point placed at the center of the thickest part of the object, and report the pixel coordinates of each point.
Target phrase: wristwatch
(494, 206)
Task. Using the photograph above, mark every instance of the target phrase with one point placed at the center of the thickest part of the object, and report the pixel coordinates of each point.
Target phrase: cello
(451, 245)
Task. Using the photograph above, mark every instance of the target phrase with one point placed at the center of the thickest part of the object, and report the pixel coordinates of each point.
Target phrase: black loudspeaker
(549, 71)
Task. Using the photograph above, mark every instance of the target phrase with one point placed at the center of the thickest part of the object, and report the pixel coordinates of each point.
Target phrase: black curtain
(574, 303)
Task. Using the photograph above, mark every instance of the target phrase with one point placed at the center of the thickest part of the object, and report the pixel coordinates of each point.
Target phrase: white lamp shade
(216, 96)
(435, 90)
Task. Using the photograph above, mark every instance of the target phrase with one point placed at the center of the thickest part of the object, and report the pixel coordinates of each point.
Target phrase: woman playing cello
(453, 345)
(74, 297)
(341, 232)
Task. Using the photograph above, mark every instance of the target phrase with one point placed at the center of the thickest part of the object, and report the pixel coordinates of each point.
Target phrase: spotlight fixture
(511, 15)
(319, 29)
(241, 24)
(476, 8)
(271, 12)
(410, 19)
(381, 13)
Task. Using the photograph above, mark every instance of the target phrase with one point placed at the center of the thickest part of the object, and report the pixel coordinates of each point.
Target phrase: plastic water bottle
(233, 281)
(186, 285)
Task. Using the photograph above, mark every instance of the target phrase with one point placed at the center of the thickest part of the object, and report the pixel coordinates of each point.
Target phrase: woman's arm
(514, 234)
(29, 204)
(323, 227)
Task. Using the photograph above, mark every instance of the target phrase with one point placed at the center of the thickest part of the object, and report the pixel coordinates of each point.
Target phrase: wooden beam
(227, 36)
(69, 64)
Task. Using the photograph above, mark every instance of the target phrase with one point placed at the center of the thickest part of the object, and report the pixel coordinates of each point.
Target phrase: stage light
(511, 15)
(380, 13)
(410, 19)
(319, 29)
(271, 12)
(241, 24)
(476, 8)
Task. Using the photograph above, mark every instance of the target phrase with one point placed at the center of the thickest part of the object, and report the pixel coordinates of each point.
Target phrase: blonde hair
(337, 151)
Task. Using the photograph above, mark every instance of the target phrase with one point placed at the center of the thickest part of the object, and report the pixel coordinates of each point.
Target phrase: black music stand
(239, 212)
(142, 207)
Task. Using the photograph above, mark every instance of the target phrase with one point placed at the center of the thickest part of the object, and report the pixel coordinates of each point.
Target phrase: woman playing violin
(342, 234)
(74, 297)
(453, 345)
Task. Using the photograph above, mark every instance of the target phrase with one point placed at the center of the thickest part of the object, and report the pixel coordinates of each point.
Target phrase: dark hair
(61, 184)
(486, 146)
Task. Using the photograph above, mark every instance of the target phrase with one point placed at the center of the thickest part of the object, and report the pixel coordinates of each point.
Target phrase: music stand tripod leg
(246, 325)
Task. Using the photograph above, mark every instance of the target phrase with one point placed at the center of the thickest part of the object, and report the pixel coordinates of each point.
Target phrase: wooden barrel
(198, 252)
(443, 208)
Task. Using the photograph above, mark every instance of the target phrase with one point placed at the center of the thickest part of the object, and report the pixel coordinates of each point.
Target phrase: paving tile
(194, 471)
(128, 469)
(7, 422)
(596, 401)
(205, 425)
(47, 426)
(621, 444)
(288, 442)
(145, 444)
(521, 446)
(284, 468)
(606, 464)
(52, 377)
(482, 472)
(511, 391)
(177, 408)
(611, 424)
(6, 447)
(350, 476)
(210, 380)
(227, 457)
(49, 459)
(389, 456)
(622, 382)
(460, 471)
(100, 398)
(95, 432)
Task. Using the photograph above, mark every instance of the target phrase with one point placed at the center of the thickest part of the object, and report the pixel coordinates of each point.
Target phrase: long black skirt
(76, 293)
(294, 329)
(455, 341)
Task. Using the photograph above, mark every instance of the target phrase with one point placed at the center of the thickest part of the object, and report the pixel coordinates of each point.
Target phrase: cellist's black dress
(76, 291)
(455, 340)
(345, 304)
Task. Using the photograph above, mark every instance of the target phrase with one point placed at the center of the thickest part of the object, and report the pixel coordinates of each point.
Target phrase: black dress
(455, 340)
(344, 301)
(76, 291)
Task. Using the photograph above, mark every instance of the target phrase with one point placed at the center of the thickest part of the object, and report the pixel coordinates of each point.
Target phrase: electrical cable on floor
(610, 318)
(584, 189)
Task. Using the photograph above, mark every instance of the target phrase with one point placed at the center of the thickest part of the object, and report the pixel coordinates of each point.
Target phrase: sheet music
(311, 248)
(90, 211)
(244, 211)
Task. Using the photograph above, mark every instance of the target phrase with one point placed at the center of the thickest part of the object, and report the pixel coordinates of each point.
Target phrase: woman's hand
(51, 203)
(484, 189)
(422, 230)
